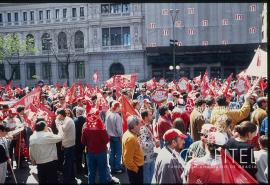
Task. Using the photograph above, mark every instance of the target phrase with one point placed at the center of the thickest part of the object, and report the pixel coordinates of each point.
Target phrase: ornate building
(131, 38)
(97, 37)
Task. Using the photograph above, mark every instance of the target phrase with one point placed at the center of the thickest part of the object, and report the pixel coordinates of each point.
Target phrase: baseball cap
(172, 134)
(217, 138)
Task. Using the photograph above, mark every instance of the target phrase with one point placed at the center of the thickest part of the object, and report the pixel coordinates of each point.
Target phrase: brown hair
(245, 127)
(263, 140)
(179, 124)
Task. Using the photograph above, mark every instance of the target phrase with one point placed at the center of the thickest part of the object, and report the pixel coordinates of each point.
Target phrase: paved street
(29, 175)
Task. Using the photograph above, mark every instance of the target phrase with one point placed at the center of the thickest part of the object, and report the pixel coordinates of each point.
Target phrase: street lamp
(174, 68)
(174, 13)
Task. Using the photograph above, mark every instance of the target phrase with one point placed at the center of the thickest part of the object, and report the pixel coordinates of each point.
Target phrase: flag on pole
(95, 77)
(205, 84)
(127, 110)
(197, 79)
(225, 87)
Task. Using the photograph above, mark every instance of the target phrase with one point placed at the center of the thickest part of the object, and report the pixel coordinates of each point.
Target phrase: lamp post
(174, 14)
(174, 69)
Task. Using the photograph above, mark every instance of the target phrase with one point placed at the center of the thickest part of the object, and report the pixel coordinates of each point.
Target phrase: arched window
(79, 40)
(62, 40)
(45, 40)
(30, 41)
(116, 69)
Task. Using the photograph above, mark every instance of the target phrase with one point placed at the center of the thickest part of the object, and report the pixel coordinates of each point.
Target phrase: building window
(152, 25)
(45, 41)
(252, 30)
(62, 70)
(40, 15)
(2, 72)
(81, 11)
(225, 42)
(30, 41)
(225, 22)
(32, 15)
(116, 8)
(252, 8)
(239, 17)
(9, 17)
(126, 7)
(115, 36)
(79, 40)
(62, 41)
(31, 71)
(57, 14)
(46, 71)
(24, 16)
(165, 11)
(105, 37)
(191, 31)
(205, 22)
(16, 68)
(1, 18)
(165, 32)
(74, 12)
(178, 24)
(64, 13)
(80, 70)
(126, 36)
(16, 17)
(105, 8)
(48, 14)
(152, 44)
(191, 10)
(205, 43)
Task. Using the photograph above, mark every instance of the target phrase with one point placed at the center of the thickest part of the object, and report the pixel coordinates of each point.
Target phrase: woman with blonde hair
(223, 124)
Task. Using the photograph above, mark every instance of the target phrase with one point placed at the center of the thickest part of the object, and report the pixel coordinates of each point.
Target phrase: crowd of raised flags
(159, 132)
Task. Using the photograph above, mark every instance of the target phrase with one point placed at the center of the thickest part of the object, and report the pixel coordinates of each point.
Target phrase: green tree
(12, 50)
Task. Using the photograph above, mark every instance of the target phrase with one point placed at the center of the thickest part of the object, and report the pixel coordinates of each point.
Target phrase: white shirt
(68, 130)
(261, 159)
(43, 146)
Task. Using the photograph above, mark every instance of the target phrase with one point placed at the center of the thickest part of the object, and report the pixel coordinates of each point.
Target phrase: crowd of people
(163, 143)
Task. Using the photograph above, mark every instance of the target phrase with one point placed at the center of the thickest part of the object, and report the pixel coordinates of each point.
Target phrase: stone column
(54, 69)
(71, 69)
(38, 70)
(23, 73)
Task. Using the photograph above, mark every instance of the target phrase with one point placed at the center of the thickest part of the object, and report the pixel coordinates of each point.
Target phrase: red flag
(109, 83)
(151, 84)
(197, 79)
(95, 77)
(48, 114)
(263, 85)
(233, 173)
(81, 89)
(127, 110)
(71, 95)
(9, 90)
(225, 87)
(205, 84)
(33, 96)
(183, 85)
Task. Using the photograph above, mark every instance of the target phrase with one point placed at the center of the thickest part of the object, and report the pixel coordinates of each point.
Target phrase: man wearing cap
(168, 168)
(133, 155)
(68, 144)
(207, 169)
(197, 119)
(143, 96)
(197, 149)
(113, 123)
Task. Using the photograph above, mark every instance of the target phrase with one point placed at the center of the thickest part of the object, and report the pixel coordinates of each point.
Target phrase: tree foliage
(12, 49)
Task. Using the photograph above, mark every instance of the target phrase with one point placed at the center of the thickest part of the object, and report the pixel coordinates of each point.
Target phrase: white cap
(217, 138)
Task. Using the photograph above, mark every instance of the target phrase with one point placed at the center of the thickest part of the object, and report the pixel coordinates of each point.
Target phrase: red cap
(172, 134)
(146, 101)
(170, 104)
(115, 105)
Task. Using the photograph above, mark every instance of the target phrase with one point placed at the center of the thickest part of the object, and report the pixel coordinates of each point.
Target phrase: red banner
(33, 96)
(159, 96)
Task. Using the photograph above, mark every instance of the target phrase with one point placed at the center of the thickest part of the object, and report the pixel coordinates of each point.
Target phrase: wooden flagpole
(13, 174)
